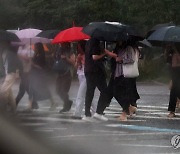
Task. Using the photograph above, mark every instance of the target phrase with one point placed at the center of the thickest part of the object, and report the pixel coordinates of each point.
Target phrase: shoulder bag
(131, 70)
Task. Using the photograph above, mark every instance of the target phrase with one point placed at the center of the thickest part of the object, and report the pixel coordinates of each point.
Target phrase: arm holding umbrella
(111, 54)
(97, 57)
(70, 60)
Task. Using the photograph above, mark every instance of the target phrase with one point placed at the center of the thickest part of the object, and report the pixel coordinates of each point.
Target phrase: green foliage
(61, 14)
(11, 14)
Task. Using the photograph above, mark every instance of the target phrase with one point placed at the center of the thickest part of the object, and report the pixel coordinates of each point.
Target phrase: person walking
(12, 68)
(38, 87)
(120, 87)
(25, 53)
(95, 77)
(174, 56)
(133, 104)
(80, 99)
(64, 78)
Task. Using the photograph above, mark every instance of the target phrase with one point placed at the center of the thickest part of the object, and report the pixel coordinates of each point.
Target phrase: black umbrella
(107, 32)
(144, 43)
(50, 34)
(156, 27)
(170, 34)
(8, 36)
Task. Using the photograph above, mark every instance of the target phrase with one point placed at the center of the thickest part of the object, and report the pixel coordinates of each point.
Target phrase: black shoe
(69, 104)
(35, 105)
(76, 117)
(64, 110)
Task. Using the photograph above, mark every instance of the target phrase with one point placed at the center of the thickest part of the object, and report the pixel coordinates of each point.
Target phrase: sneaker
(35, 106)
(100, 117)
(53, 107)
(28, 110)
(88, 119)
(171, 115)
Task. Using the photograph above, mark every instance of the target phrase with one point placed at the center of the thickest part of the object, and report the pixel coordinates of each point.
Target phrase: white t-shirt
(80, 71)
(26, 54)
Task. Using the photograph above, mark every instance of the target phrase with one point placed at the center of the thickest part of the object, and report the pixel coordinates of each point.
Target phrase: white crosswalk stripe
(44, 116)
(143, 112)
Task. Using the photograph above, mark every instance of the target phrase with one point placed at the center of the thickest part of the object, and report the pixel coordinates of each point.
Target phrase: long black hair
(39, 56)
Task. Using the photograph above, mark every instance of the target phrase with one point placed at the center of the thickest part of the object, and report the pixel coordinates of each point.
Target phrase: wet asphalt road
(149, 132)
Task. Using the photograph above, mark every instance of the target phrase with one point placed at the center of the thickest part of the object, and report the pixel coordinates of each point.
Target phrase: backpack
(60, 65)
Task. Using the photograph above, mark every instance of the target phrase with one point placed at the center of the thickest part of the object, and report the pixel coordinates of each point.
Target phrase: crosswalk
(59, 128)
(112, 113)
(144, 112)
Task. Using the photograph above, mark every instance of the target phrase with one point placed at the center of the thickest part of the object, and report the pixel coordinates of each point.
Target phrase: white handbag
(131, 70)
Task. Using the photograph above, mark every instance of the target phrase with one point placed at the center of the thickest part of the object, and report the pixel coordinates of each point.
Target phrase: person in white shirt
(80, 99)
(25, 54)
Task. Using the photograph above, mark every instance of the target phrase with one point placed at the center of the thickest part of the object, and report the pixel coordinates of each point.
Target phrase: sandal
(123, 117)
(132, 110)
(171, 115)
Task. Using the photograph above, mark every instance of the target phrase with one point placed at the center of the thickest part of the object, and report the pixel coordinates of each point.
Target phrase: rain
(89, 76)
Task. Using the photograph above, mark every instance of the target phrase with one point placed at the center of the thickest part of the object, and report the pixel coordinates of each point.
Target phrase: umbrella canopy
(156, 27)
(144, 43)
(170, 34)
(105, 31)
(70, 35)
(131, 32)
(127, 28)
(28, 36)
(108, 31)
(8, 36)
(50, 34)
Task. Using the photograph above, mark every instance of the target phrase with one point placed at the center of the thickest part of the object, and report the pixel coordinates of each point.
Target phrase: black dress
(38, 85)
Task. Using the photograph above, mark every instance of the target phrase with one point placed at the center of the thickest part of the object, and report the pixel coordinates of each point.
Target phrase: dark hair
(122, 46)
(39, 49)
(39, 56)
(81, 46)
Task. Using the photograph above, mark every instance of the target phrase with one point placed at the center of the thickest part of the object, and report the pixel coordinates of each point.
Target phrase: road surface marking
(144, 128)
(110, 134)
(53, 119)
(145, 145)
(33, 124)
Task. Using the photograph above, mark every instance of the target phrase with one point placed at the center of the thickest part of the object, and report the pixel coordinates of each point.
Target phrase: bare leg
(30, 106)
(123, 116)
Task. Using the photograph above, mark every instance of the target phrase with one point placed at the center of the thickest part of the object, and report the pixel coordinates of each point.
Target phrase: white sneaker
(88, 119)
(100, 117)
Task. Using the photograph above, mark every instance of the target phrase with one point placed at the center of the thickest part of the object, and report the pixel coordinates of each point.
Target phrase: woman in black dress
(38, 87)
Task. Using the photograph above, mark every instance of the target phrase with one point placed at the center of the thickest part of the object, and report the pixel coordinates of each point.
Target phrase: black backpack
(60, 65)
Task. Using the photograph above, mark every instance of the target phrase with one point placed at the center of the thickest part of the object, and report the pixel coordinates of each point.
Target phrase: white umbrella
(28, 36)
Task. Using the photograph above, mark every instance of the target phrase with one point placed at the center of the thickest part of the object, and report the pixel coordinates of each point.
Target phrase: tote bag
(131, 70)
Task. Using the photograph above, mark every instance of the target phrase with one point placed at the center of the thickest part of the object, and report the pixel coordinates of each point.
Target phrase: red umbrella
(70, 35)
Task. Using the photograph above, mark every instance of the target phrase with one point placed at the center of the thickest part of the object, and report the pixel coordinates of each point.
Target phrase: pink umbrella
(28, 36)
